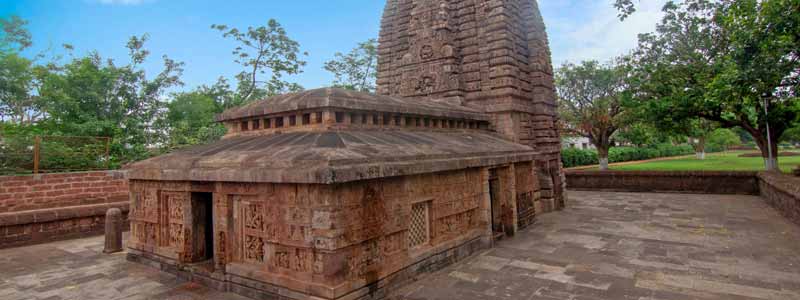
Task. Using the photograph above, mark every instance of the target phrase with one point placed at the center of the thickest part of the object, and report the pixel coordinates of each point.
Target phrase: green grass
(728, 161)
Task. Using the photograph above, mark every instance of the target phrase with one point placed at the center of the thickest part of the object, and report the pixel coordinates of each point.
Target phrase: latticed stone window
(419, 227)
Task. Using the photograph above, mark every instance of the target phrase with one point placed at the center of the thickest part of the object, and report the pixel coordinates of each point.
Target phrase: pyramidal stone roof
(329, 153)
(351, 100)
(332, 156)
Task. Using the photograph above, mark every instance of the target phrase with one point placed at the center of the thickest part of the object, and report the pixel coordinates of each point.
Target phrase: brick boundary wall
(700, 182)
(782, 192)
(47, 207)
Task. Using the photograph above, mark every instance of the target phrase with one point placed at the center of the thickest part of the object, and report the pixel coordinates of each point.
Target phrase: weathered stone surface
(350, 100)
(489, 55)
(329, 240)
(605, 246)
(336, 194)
(702, 182)
(332, 157)
(612, 246)
(781, 192)
(113, 232)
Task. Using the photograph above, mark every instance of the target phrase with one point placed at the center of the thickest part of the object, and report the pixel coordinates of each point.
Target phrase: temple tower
(491, 55)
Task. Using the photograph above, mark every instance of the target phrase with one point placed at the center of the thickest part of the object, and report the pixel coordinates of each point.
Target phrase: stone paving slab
(78, 270)
(617, 246)
(609, 246)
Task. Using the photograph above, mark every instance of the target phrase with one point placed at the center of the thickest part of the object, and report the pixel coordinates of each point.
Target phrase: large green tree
(734, 63)
(356, 70)
(592, 96)
(19, 103)
(190, 115)
(264, 50)
(91, 96)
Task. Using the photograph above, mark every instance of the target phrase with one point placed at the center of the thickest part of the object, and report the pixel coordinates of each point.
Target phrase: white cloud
(123, 2)
(596, 33)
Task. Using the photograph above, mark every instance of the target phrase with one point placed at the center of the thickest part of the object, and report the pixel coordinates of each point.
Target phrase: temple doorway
(496, 203)
(203, 237)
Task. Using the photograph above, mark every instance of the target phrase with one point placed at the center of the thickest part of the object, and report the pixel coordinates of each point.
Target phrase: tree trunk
(700, 148)
(602, 155)
(770, 161)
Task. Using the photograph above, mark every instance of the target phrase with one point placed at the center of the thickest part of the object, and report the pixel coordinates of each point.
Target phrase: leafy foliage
(356, 70)
(723, 62)
(723, 139)
(579, 157)
(14, 36)
(592, 96)
(263, 50)
(92, 96)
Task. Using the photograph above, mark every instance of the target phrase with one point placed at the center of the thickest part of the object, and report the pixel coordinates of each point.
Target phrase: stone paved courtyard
(610, 246)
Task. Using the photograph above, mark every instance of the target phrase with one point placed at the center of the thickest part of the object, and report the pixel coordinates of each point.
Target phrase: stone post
(113, 231)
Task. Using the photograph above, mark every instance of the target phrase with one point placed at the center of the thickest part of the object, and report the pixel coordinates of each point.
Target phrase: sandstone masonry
(336, 194)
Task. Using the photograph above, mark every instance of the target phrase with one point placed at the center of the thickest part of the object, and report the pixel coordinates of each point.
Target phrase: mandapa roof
(331, 157)
(350, 100)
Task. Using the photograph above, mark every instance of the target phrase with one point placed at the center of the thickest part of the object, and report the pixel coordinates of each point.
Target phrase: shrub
(577, 157)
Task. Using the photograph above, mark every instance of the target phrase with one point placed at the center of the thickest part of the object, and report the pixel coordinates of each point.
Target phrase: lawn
(728, 161)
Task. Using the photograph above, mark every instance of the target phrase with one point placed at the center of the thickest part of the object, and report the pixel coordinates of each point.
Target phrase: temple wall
(489, 55)
(328, 240)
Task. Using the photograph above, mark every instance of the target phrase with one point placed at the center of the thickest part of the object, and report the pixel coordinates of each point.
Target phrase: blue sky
(578, 29)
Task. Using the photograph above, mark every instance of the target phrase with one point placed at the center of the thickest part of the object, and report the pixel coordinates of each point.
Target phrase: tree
(723, 139)
(356, 70)
(592, 95)
(95, 97)
(638, 134)
(625, 8)
(18, 101)
(698, 131)
(14, 36)
(791, 135)
(262, 50)
(190, 118)
(726, 62)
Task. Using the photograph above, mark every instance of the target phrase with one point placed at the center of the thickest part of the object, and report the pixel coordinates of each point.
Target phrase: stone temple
(334, 194)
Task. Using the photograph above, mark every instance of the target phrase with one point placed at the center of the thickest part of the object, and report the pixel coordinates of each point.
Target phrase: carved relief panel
(254, 232)
(174, 205)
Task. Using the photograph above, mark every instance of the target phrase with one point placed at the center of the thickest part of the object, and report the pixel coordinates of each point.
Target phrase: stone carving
(451, 226)
(150, 206)
(425, 84)
(176, 202)
(222, 251)
(364, 260)
(254, 217)
(426, 52)
(298, 260)
(253, 249)
(176, 238)
(476, 67)
(524, 202)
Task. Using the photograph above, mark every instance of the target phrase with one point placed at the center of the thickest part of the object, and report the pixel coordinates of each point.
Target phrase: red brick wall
(46, 207)
(745, 183)
(29, 192)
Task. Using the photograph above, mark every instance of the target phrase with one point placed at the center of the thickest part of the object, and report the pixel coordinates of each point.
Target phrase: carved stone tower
(491, 55)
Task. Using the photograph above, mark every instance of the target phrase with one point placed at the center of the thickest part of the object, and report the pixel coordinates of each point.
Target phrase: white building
(576, 142)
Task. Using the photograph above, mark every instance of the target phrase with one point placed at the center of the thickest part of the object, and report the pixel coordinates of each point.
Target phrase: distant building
(576, 142)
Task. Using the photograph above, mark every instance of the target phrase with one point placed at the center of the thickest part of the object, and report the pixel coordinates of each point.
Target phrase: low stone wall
(781, 192)
(47, 207)
(665, 182)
